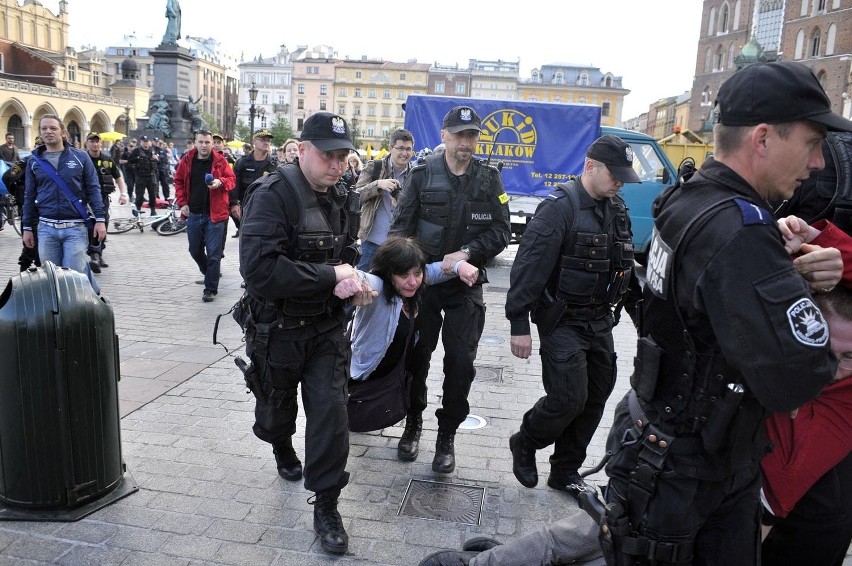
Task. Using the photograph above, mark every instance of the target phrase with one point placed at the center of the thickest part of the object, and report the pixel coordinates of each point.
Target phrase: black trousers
(818, 530)
(147, 183)
(457, 313)
(721, 515)
(163, 177)
(578, 372)
(99, 248)
(320, 363)
(130, 181)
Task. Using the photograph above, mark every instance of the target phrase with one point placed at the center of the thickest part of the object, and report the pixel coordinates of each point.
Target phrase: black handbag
(374, 404)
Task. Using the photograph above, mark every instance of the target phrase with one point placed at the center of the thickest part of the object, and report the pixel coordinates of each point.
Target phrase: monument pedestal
(172, 73)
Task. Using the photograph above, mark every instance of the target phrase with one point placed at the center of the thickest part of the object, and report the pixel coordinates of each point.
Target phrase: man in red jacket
(203, 181)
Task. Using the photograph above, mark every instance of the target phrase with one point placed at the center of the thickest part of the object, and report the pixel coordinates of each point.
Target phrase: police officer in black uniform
(145, 159)
(297, 253)
(729, 332)
(252, 166)
(109, 175)
(573, 266)
(455, 205)
(128, 169)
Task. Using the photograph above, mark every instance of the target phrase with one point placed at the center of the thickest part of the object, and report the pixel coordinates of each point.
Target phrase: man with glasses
(378, 187)
(457, 209)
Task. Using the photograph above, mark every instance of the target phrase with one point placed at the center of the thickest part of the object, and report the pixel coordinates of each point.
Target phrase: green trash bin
(60, 438)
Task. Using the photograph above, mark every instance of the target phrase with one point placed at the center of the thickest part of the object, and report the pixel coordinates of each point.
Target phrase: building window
(583, 80)
(605, 109)
(386, 111)
(281, 100)
(400, 113)
(313, 70)
(402, 76)
(711, 22)
(536, 77)
(300, 89)
(705, 96)
(731, 55)
(150, 69)
(724, 14)
(300, 104)
(820, 6)
(119, 51)
(460, 88)
(322, 104)
(72, 73)
(341, 91)
(357, 74)
(371, 93)
(804, 11)
(608, 81)
(832, 36)
(300, 124)
(815, 43)
(559, 79)
(720, 59)
(800, 45)
(323, 90)
(400, 95)
(371, 111)
(96, 75)
(439, 87)
(341, 110)
(357, 93)
(371, 132)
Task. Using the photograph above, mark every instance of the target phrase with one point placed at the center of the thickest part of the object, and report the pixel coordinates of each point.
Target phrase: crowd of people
(744, 325)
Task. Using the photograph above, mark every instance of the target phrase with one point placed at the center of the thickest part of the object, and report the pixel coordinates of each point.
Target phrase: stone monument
(169, 115)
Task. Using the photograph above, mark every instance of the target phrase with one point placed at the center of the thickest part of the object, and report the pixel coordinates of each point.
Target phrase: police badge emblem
(628, 153)
(807, 323)
(465, 114)
(338, 126)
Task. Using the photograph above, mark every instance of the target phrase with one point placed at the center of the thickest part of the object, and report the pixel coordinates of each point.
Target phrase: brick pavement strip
(209, 492)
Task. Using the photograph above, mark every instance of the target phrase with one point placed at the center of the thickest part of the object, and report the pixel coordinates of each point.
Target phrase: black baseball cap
(327, 132)
(773, 93)
(93, 136)
(143, 138)
(617, 155)
(461, 118)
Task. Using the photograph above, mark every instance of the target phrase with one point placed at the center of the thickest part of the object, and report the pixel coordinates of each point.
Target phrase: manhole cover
(488, 373)
(437, 501)
(492, 340)
(473, 422)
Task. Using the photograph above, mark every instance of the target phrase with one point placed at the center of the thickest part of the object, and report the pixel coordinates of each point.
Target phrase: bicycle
(165, 224)
(9, 214)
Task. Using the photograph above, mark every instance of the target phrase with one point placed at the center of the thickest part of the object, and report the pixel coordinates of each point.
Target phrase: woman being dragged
(383, 331)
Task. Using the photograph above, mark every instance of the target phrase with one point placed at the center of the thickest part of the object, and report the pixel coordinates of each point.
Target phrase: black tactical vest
(596, 263)
(317, 239)
(103, 165)
(440, 204)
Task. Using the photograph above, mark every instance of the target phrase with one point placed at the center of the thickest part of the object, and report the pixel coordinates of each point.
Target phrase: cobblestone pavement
(208, 489)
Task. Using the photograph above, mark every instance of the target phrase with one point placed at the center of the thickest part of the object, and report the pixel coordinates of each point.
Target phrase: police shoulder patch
(753, 214)
(557, 194)
(807, 323)
(503, 198)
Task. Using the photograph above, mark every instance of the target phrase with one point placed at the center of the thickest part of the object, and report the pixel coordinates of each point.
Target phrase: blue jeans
(66, 247)
(368, 250)
(205, 246)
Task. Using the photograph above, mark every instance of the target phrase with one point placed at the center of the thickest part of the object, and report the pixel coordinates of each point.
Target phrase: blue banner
(539, 143)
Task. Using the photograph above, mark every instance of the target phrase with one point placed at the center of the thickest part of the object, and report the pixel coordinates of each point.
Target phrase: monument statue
(173, 27)
(191, 112)
(158, 118)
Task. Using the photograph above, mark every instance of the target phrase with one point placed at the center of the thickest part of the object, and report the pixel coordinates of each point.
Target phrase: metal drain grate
(437, 501)
(489, 373)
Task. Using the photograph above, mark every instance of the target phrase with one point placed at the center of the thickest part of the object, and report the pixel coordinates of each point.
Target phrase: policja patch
(659, 266)
(808, 325)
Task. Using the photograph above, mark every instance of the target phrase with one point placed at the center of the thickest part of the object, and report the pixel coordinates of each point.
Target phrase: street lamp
(252, 98)
(354, 128)
(127, 121)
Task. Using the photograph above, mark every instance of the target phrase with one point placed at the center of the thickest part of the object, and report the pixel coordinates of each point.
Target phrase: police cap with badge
(327, 132)
(617, 155)
(461, 119)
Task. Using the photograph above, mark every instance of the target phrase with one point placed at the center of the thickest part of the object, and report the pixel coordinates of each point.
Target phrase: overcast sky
(652, 45)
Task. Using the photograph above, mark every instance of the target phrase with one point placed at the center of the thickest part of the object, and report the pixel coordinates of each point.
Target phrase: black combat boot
(523, 461)
(289, 465)
(445, 454)
(328, 523)
(409, 443)
(94, 262)
(101, 261)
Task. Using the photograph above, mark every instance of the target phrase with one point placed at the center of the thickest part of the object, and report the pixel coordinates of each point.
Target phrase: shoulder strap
(51, 172)
(378, 166)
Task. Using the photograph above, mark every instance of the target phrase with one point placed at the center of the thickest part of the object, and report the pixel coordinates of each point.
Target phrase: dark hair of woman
(396, 256)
